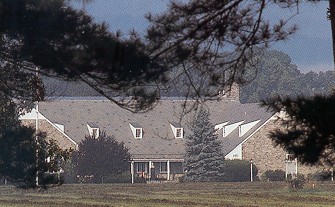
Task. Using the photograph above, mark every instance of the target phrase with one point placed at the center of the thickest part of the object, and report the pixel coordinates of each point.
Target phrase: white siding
(235, 153)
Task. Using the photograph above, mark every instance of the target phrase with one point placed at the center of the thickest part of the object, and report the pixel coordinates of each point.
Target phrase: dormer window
(227, 129)
(244, 128)
(93, 129)
(177, 130)
(179, 133)
(138, 133)
(137, 130)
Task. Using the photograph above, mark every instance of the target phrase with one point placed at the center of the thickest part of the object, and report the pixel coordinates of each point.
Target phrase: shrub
(238, 171)
(274, 175)
(120, 178)
(100, 157)
(48, 179)
(181, 179)
(297, 182)
(320, 176)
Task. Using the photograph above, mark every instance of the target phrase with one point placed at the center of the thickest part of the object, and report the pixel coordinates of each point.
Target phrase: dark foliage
(274, 175)
(320, 176)
(22, 152)
(18, 156)
(296, 183)
(238, 171)
(100, 157)
(308, 124)
(65, 42)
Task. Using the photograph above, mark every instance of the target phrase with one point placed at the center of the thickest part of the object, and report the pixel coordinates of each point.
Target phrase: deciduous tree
(23, 153)
(101, 157)
(65, 42)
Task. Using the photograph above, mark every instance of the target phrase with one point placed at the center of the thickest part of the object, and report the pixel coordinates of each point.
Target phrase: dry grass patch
(257, 194)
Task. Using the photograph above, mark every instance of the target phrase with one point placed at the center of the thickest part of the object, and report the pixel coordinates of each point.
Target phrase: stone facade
(52, 133)
(267, 156)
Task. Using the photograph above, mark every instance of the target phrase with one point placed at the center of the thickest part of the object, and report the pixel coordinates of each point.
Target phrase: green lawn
(173, 194)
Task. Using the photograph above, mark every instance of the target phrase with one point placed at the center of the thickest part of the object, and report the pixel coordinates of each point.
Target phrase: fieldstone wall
(265, 155)
(52, 133)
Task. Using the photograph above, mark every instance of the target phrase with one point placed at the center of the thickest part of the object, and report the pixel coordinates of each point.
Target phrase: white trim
(220, 126)
(267, 121)
(132, 171)
(229, 128)
(244, 128)
(33, 115)
(134, 130)
(158, 160)
(93, 131)
(63, 133)
(160, 167)
(177, 131)
(246, 139)
(168, 170)
(235, 154)
(60, 126)
(144, 165)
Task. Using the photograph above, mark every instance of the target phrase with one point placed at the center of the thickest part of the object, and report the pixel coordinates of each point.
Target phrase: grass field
(173, 194)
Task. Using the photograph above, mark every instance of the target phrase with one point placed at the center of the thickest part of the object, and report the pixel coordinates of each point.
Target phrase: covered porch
(156, 170)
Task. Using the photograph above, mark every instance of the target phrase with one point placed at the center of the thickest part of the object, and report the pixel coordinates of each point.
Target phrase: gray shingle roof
(158, 141)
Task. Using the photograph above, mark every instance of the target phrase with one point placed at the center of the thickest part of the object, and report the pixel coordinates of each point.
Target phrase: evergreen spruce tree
(204, 157)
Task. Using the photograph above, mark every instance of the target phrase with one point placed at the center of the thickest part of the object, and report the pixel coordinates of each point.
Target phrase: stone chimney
(231, 93)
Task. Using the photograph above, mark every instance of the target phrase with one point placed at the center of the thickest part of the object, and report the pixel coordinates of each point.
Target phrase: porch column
(168, 170)
(150, 164)
(132, 171)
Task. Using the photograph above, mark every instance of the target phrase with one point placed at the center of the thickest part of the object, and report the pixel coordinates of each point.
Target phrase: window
(163, 167)
(138, 133)
(94, 132)
(137, 130)
(93, 129)
(179, 133)
(142, 167)
(177, 130)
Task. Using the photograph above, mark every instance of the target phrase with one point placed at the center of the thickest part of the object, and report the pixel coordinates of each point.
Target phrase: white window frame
(136, 130)
(138, 133)
(93, 131)
(178, 131)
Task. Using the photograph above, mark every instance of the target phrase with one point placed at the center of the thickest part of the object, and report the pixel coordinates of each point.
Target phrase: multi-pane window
(93, 129)
(136, 130)
(138, 133)
(142, 167)
(95, 133)
(163, 167)
(179, 132)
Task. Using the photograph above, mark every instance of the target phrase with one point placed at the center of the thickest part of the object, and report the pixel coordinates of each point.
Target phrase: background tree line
(275, 75)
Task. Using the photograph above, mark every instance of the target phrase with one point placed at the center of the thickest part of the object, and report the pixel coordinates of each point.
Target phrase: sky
(310, 48)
